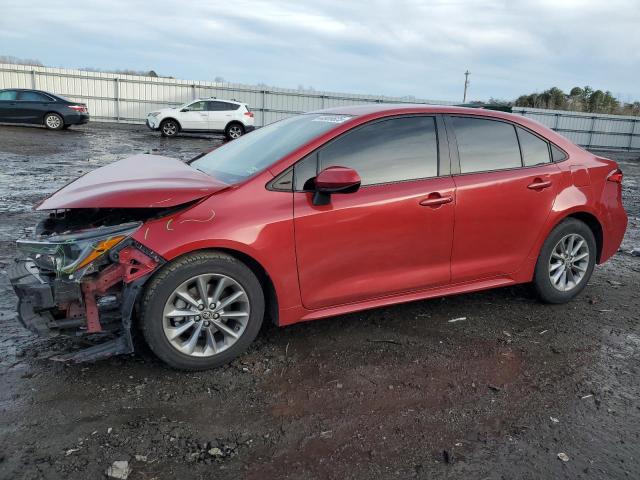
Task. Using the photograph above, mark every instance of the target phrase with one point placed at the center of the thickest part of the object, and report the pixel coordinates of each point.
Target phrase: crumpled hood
(140, 181)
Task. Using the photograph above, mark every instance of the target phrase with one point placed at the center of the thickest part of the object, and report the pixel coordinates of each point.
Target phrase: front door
(391, 236)
(504, 194)
(195, 116)
(8, 101)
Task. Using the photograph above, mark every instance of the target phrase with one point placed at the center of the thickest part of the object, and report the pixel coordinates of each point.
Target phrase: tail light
(249, 114)
(615, 176)
(78, 108)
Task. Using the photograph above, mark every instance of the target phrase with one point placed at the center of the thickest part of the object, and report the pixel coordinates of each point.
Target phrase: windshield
(242, 158)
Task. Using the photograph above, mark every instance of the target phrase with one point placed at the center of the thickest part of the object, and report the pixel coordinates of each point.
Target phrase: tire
(213, 346)
(169, 128)
(53, 121)
(234, 130)
(561, 275)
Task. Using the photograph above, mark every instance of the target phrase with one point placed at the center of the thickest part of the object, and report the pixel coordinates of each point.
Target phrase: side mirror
(335, 180)
(186, 109)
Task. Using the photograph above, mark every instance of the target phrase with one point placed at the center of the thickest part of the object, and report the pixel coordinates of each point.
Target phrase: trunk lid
(140, 181)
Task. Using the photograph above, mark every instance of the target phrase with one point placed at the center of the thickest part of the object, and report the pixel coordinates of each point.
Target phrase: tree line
(579, 99)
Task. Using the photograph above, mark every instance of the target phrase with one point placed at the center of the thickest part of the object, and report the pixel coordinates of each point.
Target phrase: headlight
(154, 114)
(74, 251)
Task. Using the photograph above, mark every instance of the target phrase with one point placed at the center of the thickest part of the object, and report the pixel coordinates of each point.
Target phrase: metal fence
(128, 98)
(588, 129)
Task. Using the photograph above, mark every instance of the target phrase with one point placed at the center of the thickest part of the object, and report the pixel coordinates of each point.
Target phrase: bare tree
(20, 61)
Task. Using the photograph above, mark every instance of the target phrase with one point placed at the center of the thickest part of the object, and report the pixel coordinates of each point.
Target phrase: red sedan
(316, 215)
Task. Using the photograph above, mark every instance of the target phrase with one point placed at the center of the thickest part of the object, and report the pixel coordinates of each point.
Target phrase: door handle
(539, 184)
(435, 200)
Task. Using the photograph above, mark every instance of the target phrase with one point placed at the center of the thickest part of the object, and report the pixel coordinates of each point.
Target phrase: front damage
(80, 273)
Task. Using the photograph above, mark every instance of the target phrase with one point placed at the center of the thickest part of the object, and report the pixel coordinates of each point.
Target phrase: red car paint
(136, 182)
(381, 245)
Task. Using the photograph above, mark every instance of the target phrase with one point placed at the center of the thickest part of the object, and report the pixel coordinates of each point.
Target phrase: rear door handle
(435, 200)
(539, 184)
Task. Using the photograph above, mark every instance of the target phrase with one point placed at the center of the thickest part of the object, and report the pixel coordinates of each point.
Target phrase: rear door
(221, 114)
(195, 116)
(388, 237)
(31, 106)
(505, 189)
(8, 101)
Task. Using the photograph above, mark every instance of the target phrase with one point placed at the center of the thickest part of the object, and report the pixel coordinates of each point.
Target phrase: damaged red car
(313, 216)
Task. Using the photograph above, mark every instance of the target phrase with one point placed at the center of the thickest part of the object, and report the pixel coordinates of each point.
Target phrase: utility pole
(466, 84)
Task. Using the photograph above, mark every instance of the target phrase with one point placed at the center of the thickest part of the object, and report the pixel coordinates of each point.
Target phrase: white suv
(232, 118)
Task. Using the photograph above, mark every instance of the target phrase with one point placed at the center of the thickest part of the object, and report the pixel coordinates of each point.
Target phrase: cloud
(404, 47)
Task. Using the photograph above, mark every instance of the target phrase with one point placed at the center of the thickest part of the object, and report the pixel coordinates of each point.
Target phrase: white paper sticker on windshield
(332, 118)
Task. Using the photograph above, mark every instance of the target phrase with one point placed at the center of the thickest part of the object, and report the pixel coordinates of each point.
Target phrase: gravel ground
(390, 393)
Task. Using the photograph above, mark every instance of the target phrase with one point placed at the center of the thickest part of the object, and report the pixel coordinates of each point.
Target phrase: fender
(263, 234)
(170, 118)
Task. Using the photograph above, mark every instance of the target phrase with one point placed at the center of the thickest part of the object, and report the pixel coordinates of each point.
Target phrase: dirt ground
(396, 392)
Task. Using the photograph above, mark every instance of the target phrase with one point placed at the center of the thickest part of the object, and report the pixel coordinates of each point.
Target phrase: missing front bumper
(99, 304)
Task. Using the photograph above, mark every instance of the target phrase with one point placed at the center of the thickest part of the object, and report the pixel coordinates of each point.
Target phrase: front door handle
(539, 184)
(435, 200)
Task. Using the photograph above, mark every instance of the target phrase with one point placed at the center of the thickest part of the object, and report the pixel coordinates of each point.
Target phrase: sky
(395, 48)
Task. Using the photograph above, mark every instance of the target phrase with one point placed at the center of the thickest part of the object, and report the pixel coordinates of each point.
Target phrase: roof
(33, 90)
(383, 109)
(223, 100)
(372, 111)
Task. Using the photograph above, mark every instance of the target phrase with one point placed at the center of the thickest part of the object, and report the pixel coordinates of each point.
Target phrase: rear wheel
(169, 128)
(53, 121)
(566, 262)
(202, 311)
(233, 131)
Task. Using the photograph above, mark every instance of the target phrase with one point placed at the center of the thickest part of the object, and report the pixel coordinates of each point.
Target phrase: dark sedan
(36, 107)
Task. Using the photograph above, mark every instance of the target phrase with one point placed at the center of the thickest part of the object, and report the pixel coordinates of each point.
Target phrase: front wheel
(169, 128)
(233, 131)
(202, 311)
(53, 121)
(566, 262)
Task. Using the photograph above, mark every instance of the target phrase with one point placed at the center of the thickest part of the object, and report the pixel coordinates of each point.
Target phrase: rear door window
(485, 145)
(535, 151)
(223, 106)
(387, 151)
(34, 97)
(8, 95)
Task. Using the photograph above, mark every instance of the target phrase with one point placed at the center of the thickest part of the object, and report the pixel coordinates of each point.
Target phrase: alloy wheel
(569, 262)
(206, 315)
(169, 128)
(235, 131)
(53, 121)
